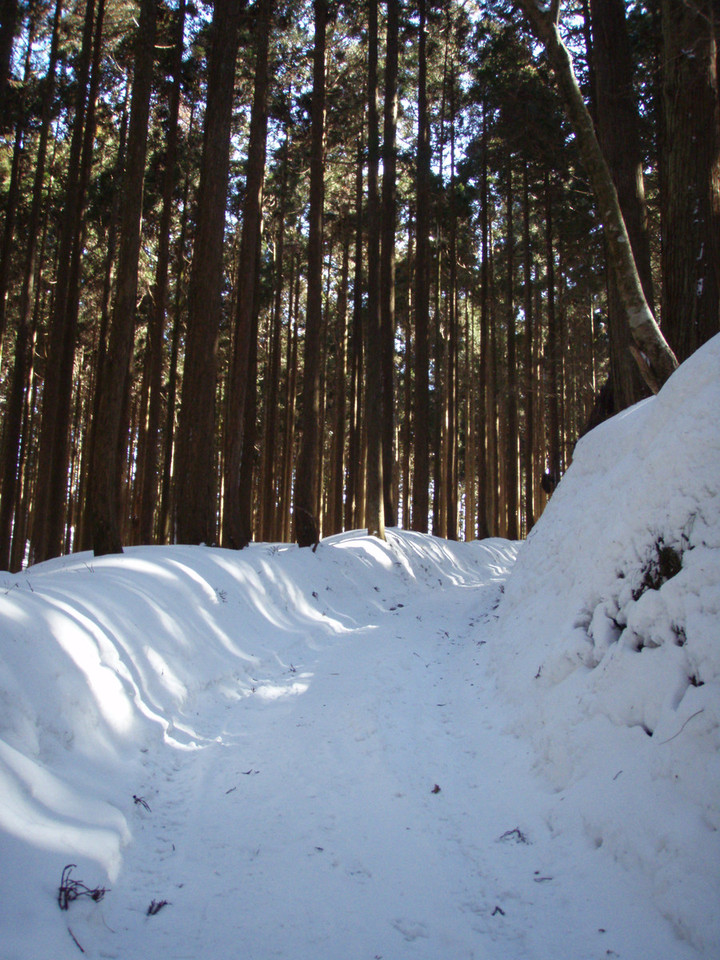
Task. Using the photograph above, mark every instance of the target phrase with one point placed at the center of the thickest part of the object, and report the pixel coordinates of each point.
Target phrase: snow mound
(608, 641)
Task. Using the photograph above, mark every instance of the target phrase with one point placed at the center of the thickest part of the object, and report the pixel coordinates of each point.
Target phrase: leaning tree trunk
(651, 351)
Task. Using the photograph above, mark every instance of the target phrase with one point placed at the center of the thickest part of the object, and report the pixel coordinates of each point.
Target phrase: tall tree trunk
(196, 467)
(618, 130)
(167, 513)
(104, 495)
(52, 456)
(421, 458)
(530, 379)
(8, 28)
(156, 329)
(241, 383)
(652, 353)
(691, 201)
(355, 497)
(14, 409)
(552, 356)
(270, 467)
(387, 262)
(451, 470)
(338, 445)
(307, 481)
(511, 449)
(483, 500)
(373, 382)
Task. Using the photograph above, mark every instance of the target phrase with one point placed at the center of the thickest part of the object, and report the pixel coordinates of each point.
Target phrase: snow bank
(608, 642)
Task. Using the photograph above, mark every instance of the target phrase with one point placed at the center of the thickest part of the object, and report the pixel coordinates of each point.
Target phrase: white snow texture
(417, 749)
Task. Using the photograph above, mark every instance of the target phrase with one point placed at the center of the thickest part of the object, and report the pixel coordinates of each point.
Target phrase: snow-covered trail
(366, 803)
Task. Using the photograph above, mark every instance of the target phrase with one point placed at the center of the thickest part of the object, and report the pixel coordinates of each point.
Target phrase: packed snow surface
(411, 749)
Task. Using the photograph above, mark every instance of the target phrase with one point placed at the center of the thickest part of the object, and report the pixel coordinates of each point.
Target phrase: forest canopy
(273, 270)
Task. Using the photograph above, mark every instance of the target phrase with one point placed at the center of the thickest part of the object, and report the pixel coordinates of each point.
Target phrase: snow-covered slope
(355, 753)
(608, 644)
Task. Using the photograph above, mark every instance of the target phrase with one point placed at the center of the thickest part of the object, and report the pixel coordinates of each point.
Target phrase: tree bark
(373, 382)
(652, 353)
(235, 533)
(618, 130)
(156, 333)
(307, 481)
(106, 469)
(421, 450)
(52, 455)
(387, 262)
(691, 200)
(196, 466)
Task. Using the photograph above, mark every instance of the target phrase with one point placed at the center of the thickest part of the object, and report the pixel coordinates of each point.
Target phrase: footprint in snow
(411, 929)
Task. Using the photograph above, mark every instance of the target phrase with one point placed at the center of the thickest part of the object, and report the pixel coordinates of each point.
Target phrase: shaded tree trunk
(106, 469)
(12, 432)
(156, 330)
(307, 480)
(235, 532)
(373, 381)
(691, 199)
(196, 466)
(421, 447)
(618, 130)
(52, 457)
(652, 353)
(387, 262)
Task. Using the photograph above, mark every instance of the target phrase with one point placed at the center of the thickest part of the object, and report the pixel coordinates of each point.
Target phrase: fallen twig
(701, 710)
(75, 940)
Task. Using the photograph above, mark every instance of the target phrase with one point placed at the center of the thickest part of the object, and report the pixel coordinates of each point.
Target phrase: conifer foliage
(276, 268)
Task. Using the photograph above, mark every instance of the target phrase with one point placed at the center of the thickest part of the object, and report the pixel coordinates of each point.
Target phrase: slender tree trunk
(196, 466)
(52, 457)
(511, 450)
(421, 458)
(167, 512)
(14, 410)
(355, 497)
(373, 381)
(387, 263)
(241, 383)
(270, 468)
(307, 480)
(453, 338)
(104, 495)
(553, 344)
(483, 389)
(156, 334)
(530, 382)
(338, 446)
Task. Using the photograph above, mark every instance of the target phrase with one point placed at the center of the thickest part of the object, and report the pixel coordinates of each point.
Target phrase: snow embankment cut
(608, 640)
